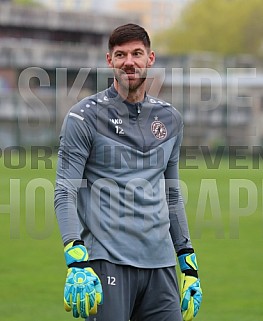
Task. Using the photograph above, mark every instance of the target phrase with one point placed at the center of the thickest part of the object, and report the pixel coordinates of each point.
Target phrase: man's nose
(129, 60)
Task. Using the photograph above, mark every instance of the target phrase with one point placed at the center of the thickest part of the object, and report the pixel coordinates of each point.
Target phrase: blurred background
(51, 53)
(209, 65)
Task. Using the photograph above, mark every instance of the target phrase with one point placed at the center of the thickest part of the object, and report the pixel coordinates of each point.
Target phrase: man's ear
(151, 59)
(109, 60)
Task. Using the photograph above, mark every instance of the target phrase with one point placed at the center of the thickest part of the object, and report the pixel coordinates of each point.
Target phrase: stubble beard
(130, 85)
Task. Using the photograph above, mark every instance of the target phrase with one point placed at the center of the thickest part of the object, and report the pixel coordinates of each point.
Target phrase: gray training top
(117, 184)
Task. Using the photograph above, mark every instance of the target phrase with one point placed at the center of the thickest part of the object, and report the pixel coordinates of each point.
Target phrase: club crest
(159, 130)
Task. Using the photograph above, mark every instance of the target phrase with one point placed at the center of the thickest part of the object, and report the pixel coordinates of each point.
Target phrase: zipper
(138, 106)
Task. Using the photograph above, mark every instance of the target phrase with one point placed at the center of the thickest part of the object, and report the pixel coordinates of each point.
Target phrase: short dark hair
(126, 33)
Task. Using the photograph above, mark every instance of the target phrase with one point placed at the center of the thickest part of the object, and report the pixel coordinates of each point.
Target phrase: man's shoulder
(88, 105)
(166, 106)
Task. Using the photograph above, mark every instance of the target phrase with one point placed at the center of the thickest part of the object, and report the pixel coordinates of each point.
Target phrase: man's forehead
(130, 46)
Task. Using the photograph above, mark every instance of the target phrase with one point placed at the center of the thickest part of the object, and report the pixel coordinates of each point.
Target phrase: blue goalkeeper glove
(83, 290)
(191, 292)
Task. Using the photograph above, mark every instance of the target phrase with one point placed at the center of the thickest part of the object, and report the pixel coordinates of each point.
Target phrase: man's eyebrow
(123, 51)
(119, 51)
(138, 49)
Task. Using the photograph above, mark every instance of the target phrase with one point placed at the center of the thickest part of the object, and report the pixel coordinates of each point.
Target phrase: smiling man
(118, 200)
(130, 61)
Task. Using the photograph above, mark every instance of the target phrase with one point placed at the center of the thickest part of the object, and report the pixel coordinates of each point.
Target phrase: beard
(130, 79)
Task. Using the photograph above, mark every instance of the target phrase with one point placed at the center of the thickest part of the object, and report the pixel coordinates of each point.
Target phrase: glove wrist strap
(187, 262)
(75, 252)
(81, 265)
(185, 251)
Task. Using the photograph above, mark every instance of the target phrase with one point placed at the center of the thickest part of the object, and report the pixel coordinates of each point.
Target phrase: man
(118, 200)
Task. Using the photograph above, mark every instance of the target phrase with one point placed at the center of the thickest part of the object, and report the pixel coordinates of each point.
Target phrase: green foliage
(224, 26)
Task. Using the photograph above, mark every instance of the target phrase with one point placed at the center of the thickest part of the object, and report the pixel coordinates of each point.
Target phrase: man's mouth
(130, 74)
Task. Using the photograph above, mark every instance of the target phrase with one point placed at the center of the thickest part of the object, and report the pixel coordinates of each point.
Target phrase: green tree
(223, 26)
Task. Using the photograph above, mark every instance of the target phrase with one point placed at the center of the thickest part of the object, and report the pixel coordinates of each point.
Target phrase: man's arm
(191, 292)
(83, 290)
(178, 221)
(75, 143)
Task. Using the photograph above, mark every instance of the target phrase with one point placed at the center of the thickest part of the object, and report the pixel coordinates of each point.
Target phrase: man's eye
(119, 55)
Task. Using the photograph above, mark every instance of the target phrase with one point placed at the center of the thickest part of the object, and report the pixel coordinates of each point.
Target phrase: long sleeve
(178, 221)
(73, 152)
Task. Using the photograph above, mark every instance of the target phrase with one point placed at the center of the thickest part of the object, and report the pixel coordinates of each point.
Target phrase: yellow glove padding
(191, 296)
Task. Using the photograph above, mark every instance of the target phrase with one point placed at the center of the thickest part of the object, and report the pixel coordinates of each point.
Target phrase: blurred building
(220, 98)
(67, 5)
(48, 60)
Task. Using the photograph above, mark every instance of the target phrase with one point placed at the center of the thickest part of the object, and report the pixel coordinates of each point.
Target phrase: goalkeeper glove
(191, 292)
(83, 290)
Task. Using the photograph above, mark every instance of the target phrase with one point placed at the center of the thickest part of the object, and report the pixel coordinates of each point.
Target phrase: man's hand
(83, 290)
(191, 296)
(191, 292)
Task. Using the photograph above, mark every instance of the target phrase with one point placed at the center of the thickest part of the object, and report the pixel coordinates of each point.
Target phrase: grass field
(224, 208)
